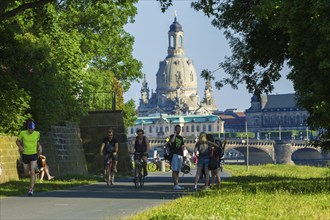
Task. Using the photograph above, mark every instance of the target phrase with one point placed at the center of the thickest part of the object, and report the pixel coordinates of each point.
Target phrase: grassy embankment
(20, 187)
(264, 192)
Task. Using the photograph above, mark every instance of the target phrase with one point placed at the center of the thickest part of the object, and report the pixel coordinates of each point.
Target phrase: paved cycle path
(97, 201)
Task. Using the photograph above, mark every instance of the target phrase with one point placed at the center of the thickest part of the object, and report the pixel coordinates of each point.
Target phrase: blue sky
(203, 43)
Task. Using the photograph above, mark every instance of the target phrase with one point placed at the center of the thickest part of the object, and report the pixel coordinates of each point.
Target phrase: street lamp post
(247, 146)
(280, 136)
(219, 128)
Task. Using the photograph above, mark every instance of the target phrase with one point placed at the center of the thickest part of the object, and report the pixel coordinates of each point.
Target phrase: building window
(172, 41)
(204, 128)
(180, 41)
(187, 128)
(197, 128)
(132, 130)
(166, 129)
(192, 128)
(150, 129)
(182, 129)
(210, 128)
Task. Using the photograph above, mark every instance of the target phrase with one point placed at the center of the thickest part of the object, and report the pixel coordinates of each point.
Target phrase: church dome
(174, 72)
(175, 26)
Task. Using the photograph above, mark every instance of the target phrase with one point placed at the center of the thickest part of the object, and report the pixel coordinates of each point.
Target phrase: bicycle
(154, 165)
(110, 174)
(138, 171)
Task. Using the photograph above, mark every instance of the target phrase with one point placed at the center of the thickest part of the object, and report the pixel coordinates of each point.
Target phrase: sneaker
(30, 193)
(177, 187)
(195, 188)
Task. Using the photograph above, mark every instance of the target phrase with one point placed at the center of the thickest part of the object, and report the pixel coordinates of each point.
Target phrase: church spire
(175, 39)
(144, 91)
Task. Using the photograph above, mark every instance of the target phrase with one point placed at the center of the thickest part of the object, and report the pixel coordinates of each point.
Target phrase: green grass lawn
(263, 192)
(20, 187)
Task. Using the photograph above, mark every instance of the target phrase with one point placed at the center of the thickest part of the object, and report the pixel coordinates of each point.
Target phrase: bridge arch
(256, 155)
(307, 156)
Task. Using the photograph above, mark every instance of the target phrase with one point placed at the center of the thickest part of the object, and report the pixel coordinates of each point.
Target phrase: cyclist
(109, 149)
(141, 148)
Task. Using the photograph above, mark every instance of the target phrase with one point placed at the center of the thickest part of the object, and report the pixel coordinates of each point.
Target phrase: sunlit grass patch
(20, 187)
(263, 192)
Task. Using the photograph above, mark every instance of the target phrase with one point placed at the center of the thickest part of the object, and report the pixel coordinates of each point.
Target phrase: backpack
(167, 152)
(220, 150)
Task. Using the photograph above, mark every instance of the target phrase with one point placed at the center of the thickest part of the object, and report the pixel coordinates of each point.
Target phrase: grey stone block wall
(63, 149)
(62, 146)
(93, 129)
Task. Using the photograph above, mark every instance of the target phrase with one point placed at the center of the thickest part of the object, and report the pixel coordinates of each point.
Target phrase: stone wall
(9, 159)
(62, 146)
(93, 129)
(63, 149)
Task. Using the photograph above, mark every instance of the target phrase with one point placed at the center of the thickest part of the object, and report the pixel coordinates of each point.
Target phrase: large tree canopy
(49, 54)
(266, 35)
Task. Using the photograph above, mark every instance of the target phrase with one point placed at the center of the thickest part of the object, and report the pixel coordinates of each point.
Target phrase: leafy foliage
(265, 36)
(130, 114)
(52, 53)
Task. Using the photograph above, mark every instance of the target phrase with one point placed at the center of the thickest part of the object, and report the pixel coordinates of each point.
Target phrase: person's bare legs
(198, 173)
(213, 177)
(47, 173)
(42, 174)
(29, 170)
(207, 177)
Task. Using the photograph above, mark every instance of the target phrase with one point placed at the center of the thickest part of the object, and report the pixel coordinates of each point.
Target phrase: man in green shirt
(30, 147)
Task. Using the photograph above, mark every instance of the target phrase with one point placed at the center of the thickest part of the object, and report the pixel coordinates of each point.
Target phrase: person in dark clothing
(177, 144)
(141, 147)
(109, 148)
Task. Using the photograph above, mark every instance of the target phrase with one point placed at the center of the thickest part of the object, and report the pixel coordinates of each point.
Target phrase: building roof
(175, 26)
(278, 101)
(177, 119)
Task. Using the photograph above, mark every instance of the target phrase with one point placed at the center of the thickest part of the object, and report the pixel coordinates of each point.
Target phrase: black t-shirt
(109, 144)
(140, 147)
(176, 147)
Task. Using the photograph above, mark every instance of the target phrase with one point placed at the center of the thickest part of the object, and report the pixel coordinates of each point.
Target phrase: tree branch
(19, 9)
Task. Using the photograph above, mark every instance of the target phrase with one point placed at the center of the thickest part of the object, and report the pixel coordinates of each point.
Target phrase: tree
(9, 8)
(51, 52)
(266, 35)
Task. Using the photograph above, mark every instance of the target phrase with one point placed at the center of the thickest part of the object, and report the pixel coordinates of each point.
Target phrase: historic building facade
(176, 99)
(163, 125)
(274, 112)
(176, 83)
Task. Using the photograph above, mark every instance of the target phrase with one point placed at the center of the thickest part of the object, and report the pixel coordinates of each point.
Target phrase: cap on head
(31, 125)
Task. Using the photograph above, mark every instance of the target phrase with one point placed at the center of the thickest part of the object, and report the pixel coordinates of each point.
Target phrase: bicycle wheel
(107, 175)
(136, 180)
(141, 177)
(112, 177)
(152, 167)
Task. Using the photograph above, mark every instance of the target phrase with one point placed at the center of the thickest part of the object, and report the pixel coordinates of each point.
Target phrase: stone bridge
(265, 151)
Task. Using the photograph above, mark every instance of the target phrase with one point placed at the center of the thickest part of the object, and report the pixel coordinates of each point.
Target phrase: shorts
(176, 163)
(108, 155)
(203, 162)
(28, 158)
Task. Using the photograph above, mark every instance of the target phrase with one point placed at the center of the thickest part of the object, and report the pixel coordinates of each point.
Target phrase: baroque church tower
(176, 92)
